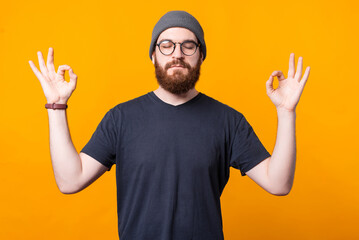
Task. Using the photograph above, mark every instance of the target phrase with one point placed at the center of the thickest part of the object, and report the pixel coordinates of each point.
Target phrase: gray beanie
(178, 19)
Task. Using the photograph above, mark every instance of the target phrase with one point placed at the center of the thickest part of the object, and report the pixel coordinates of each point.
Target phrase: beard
(178, 83)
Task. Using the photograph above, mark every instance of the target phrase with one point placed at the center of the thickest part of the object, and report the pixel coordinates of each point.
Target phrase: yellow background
(107, 42)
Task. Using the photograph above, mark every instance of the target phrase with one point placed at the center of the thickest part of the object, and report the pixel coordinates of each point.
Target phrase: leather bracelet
(55, 106)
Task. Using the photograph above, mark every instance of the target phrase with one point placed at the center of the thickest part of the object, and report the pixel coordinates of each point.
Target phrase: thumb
(73, 78)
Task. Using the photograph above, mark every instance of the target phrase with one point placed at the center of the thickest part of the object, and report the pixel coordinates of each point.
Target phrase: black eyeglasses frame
(175, 45)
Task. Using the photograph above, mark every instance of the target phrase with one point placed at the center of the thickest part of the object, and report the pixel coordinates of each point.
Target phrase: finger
(269, 85)
(279, 75)
(62, 69)
(37, 72)
(305, 77)
(298, 74)
(42, 65)
(73, 78)
(50, 62)
(291, 66)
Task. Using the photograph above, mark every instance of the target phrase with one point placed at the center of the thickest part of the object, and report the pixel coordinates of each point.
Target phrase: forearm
(66, 161)
(281, 166)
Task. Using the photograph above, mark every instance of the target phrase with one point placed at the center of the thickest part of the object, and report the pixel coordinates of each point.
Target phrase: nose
(177, 52)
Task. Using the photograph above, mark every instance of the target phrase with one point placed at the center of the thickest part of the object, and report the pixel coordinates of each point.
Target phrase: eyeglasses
(188, 48)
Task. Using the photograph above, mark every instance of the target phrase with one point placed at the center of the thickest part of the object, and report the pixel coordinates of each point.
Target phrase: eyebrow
(167, 39)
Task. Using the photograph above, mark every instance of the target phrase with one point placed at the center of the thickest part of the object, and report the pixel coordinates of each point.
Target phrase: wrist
(281, 112)
(57, 100)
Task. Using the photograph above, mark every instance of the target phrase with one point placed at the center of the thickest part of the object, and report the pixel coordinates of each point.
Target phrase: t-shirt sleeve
(102, 145)
(247, 151)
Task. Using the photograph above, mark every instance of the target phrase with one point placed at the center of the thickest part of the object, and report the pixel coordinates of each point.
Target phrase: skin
(276, 173)
(74, 172)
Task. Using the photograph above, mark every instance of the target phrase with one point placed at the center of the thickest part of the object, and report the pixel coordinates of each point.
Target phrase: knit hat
(178, 19)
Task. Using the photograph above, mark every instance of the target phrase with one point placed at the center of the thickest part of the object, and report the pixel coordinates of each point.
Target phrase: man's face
(177, 80)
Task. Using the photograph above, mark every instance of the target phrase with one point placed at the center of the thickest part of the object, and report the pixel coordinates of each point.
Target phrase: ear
(153, 57)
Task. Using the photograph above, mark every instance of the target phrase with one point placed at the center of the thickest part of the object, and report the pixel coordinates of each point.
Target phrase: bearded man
(173, 147)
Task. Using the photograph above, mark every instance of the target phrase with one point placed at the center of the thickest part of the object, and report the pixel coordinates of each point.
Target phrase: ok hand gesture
(56, 89)
(286, 95)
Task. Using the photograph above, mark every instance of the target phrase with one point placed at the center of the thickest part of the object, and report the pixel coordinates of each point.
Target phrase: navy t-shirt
(172, 164)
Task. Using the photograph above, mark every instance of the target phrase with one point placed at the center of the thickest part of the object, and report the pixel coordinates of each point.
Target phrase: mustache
(177, 62)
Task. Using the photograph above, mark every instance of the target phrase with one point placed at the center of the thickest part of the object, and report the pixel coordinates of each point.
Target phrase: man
(173, 146)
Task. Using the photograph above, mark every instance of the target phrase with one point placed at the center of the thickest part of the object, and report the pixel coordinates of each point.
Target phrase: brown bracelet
(55, 106)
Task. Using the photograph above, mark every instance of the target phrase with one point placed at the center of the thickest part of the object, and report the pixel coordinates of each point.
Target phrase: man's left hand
(286, 95)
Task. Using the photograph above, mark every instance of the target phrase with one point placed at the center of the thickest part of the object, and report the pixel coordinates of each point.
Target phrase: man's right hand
(54, 85)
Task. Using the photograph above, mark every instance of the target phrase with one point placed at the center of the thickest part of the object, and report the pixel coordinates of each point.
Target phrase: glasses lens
(189, 48)
(166, 47)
